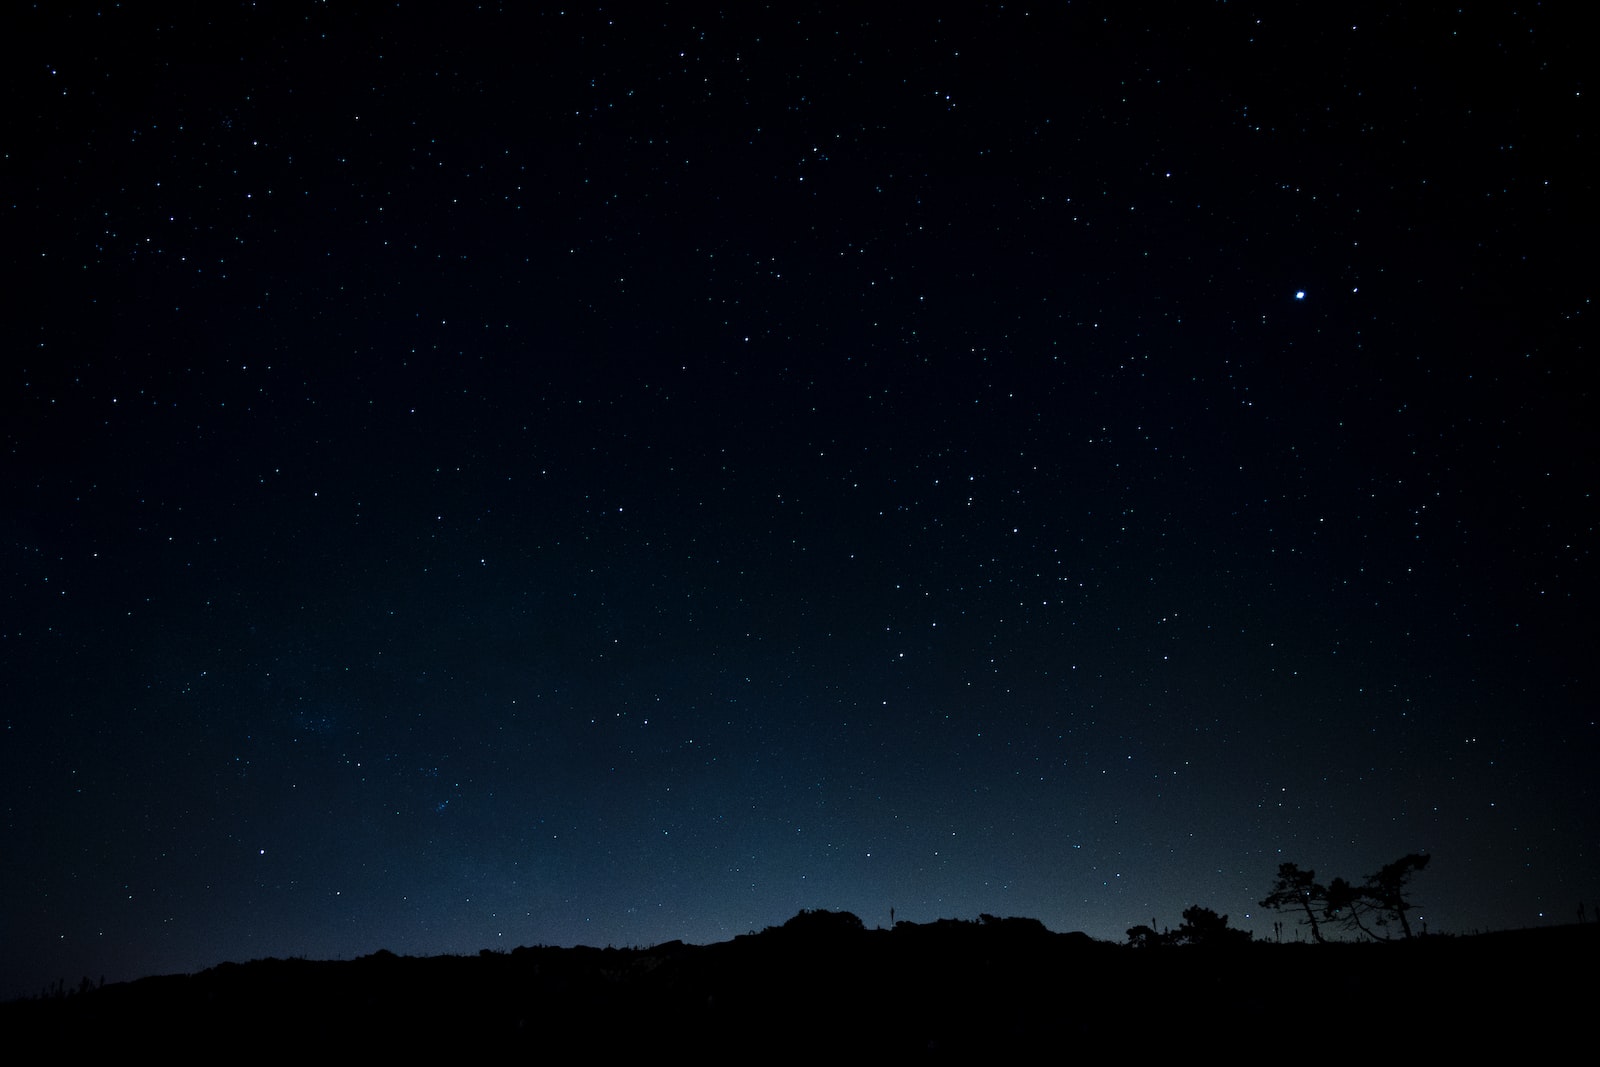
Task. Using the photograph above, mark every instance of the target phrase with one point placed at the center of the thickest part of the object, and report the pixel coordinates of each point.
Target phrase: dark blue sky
(490, 478)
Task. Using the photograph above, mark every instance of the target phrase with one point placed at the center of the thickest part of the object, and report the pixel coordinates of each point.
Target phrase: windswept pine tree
(1365, 909)
(1297, 890)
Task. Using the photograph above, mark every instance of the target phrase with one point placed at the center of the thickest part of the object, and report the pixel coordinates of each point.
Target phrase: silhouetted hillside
(822, 982)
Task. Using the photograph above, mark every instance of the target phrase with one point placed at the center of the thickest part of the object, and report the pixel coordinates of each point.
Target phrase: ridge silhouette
(822, 981)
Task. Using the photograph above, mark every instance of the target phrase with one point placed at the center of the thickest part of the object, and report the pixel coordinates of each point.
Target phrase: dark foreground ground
(946, 989)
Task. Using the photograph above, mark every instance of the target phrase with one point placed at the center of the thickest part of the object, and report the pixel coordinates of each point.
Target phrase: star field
(597, 475)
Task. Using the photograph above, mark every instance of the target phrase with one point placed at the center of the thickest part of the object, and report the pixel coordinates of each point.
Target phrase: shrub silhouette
(1142, 936)
(824, 924)
(1202, 926)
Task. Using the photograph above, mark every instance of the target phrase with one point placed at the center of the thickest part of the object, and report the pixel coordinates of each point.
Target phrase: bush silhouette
(1202, 926)
(825, 924)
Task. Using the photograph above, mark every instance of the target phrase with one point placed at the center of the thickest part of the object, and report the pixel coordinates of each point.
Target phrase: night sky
(484, 477)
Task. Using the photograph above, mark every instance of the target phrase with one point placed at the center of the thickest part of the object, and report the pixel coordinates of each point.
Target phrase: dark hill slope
(948, 987)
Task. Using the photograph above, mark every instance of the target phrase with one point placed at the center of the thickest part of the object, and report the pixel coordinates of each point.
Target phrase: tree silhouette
(1383, 898)
(1388, 888)
(1298, 890)
(1348, 904)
